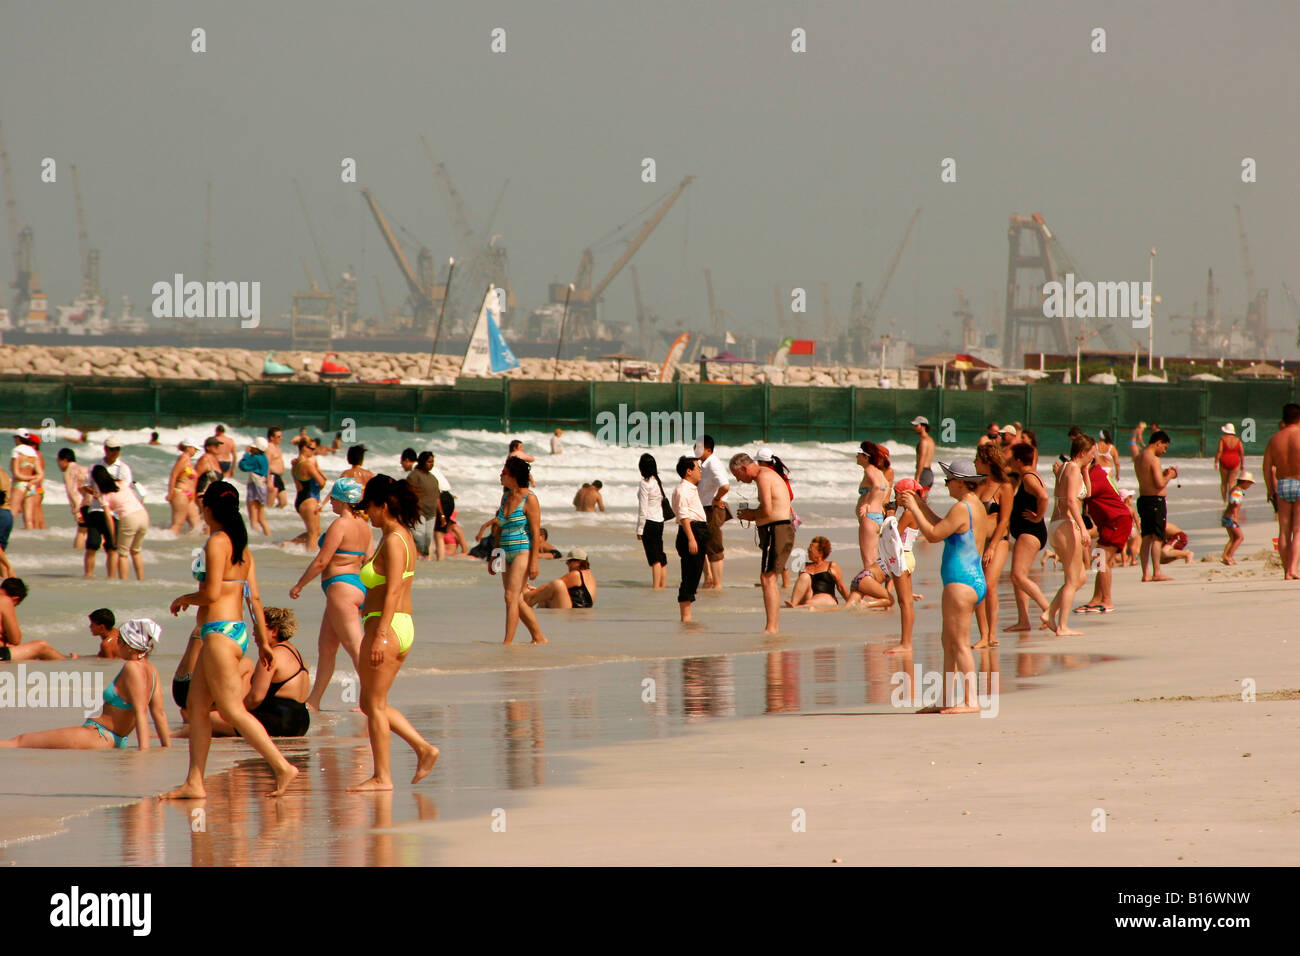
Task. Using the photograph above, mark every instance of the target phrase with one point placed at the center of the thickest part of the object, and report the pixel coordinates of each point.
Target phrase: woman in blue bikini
(134, 693)
(872, 492)
(228, 581)
(964, 532)
(343, 548)
(517, 521)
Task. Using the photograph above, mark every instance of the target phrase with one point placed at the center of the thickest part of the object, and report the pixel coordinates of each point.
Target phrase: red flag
(803, 347)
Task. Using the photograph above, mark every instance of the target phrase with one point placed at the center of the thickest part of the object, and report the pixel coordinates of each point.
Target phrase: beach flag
(803, 347)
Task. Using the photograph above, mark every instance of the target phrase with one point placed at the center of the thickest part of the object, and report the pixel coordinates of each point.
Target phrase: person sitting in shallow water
(135, 691)
(276, 696)
(12, 648)
(819, 580)
(575, 589)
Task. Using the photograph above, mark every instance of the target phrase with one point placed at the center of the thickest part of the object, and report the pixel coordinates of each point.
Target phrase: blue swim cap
(347, 490)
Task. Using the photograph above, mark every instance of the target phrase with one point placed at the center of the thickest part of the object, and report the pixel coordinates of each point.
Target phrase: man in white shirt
(692, 532)
(714, 486)
(119, 469)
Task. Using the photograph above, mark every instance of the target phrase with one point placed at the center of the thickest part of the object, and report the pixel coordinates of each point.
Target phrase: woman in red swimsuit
(1228, 458)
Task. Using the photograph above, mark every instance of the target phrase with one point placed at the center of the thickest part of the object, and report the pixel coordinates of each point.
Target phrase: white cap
(1229, 429)
(763, 454)
(260, 443)
(113, 441)
(920, 420)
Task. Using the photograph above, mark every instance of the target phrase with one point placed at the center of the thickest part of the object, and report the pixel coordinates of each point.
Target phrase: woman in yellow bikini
(393, 508)
(182, 482)
(228, 582)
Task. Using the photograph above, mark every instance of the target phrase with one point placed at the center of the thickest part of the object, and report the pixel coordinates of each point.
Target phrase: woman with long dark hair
(651, 515)
(132, 521)
(228, 582)
(998, 495)
(517, 519)
(873, 489)
(393, 508)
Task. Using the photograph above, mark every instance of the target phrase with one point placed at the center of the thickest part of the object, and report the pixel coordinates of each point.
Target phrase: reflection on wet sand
(497, 741)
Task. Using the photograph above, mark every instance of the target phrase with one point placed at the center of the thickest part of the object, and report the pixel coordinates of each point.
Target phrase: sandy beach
(631, 739)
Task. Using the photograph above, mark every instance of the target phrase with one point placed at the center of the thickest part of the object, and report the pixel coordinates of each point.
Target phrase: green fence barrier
(1192, 413)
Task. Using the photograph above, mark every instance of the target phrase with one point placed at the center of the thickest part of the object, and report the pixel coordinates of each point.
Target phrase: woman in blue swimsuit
(517, 521)
(134, 692)
(228, 582)
(343, 549)
(964, 531)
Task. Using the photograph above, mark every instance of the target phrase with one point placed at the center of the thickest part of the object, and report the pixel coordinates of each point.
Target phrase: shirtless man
(775, 533)
(1153, 509)
(924, 454)
(226, 453)
(275, 458)
(588, 497)
(12, 593)
(1282, 485)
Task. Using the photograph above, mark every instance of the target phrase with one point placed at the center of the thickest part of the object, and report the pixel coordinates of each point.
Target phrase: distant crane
(23, 242)
(311, 231)
(383, 299)
(864, 331)
(585, 295)
(1295, 308)
(644, 318)
(419, 285)
(715, 314)
(89, 256)
(1256, 301)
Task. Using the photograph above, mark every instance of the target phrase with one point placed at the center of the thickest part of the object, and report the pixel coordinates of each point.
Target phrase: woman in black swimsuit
(1029, 531)
(819, 580)
(575, 589)
(276, 696)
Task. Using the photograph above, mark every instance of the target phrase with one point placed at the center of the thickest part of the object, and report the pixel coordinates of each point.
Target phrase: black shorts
(180, 691)
(1153, 512)
(4, 652)
(96, 530)
(927, 478)
(283, 717)
(775, 541)
(279, 482)
(652, 542)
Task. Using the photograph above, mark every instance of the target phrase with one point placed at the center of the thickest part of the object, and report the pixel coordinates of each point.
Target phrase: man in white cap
(119, 469)
(924, 454)
(713, 488)
(258, 467)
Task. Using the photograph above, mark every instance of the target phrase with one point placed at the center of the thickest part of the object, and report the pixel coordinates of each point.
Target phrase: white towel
(892, 548)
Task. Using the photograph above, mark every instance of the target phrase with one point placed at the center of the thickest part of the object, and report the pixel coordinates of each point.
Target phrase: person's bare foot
(539, 639)
(1045, 622)
(899, 649)
(186, 791)
(771, 630)
(934, 709)
(1161, 577)
(427, 759)
(1018, 626)
(369, 785)
(1068, 632)
(982, 643)
(282, 780)
(960, 709)
(993, 642)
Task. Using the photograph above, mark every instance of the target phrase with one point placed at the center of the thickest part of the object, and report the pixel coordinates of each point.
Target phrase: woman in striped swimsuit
(517, 520)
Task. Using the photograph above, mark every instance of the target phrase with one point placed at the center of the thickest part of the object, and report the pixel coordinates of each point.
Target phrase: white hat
(260, 443)
(920, 420)
(576, 554)
(963, 469)
(1229, 429)
(188, 443)
(1246, 476)
(140, 634)
(113, 441)
(763, 454)
(1008, 430)
(22, 433)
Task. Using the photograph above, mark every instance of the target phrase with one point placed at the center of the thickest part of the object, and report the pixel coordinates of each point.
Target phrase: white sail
(477, 362)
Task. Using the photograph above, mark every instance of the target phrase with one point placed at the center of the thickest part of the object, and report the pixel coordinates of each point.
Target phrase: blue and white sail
(487, 352)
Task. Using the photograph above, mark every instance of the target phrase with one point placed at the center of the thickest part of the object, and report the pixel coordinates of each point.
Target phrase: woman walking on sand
(872, 491)
(182, 482)
(964, 532)
(517, 520)
(1068, 535)
(393, 508)
(1028, 533)
(997, 496)
(227, 583)
(343, 547)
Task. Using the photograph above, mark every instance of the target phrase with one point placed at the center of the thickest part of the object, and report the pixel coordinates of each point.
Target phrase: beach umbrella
(1103, 378)
(1204, 377)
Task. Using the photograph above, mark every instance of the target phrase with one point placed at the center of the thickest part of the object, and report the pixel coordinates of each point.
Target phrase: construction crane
(89, 256)
(585, 295)
(642, 317)
(383, 300)
(715, 316)
(1256, 300)
(419, 285)
(864, 331)
(311, 230)
(1295, 308)
(969, 336)
(22, 242)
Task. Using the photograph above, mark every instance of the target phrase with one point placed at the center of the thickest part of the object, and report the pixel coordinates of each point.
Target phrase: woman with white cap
(1228, 458)
(129, 698)
(343, 549)
(574, 589)
(964, 531)
(182, 482)
(258, 467)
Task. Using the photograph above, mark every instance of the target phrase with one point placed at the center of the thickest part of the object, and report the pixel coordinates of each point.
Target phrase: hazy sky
(808, 165)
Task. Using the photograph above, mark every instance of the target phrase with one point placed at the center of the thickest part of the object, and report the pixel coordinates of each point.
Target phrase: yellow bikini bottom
(402, 626)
